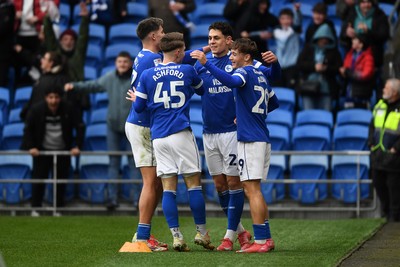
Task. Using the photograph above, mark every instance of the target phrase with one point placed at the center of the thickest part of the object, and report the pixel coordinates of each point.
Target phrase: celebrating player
(254, 99)
(165, 92)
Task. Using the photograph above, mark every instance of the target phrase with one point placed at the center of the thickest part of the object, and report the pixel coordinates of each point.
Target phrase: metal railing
(357, 208)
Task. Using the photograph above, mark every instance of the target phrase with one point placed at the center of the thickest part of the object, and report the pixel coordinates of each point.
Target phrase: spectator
(73, 46)
(233, 11)
(343, 8)
(320, 61)
(288, 45)
(384, 141)
(7, 16)
(256, 24)
(358, 71)
(28, 21)
(53, 75)
(367, 18)
(174, 14)
(108, 12)
(115, 83)
(319, 18)
(51, 126)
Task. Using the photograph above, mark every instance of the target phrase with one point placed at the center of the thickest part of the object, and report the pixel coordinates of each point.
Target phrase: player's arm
(187, 59)
(198, 84)
(274, 71)
(273, 102)
(225, 78)
(141, 96)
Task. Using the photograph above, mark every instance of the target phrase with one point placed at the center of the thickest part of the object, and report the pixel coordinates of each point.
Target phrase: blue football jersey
(252, 100)
(165, 91)
(218, 103)
(144, 60)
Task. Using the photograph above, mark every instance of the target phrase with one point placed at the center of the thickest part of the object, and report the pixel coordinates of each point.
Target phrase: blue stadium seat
(388, 9)
(106, 69)
(354, 116)
(286, 97)
(198, 134)
(311, 137)
(94, 56)
(90, 73)
(93, 167)
(309, 167)
(22, 95)
(314, 117)
(136, 12)
(15, 167)
(96, 137)
(275, 191)
(129, 191)
(279, 136)
(199, 37)
(196, 115)
(100, 100)
(69, 188)
(4, 101)
(350, 168)
(350, 137)
(208, 13)
(65, 14)
(14, 117)
(12, 136)
(98, 116)
(123, 33)
(281, 117)
(76, 18)
(113, 50)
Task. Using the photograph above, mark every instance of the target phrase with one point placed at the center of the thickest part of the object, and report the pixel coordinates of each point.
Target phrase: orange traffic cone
(135, 247)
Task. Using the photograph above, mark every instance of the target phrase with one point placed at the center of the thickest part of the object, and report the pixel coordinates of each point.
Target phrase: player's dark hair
(222, 26)
(171, 41)
(246, 46)
(147, 26)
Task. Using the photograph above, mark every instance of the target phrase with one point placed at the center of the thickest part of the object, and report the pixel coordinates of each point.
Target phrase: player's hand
(131, 94)
(200, 56)
(34, 152)
(75, 151)
(68, 87)
(269, 57)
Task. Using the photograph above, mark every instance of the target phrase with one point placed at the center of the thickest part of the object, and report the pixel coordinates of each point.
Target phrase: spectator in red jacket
(358, 71)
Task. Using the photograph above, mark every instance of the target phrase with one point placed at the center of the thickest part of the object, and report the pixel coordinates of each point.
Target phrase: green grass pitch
(95, 241)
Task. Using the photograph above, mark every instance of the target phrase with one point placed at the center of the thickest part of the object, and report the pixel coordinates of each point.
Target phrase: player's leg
(189, 166)
(227, 145)
(167, 162)
(253, 167)
(142, 149)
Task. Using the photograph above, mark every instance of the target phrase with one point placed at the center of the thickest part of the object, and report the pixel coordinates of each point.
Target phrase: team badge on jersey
(157, 61)
(228, 68)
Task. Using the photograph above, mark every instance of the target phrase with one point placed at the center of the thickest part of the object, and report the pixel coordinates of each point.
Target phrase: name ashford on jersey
(167, 70)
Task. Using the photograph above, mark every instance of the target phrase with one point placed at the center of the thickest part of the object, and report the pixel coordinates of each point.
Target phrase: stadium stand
(22, 95)
(136, 12)
(12, 136)
(123, 33)
(95, 137)
(311, 137)
(354, 116)
(93, 167)
(287, 98)
(275, 191)
(350, 137)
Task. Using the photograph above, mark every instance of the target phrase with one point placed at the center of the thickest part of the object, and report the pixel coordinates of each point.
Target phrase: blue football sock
(197, 205)
(224, 200)
(260, 232)
(170, 208)
(235, 209)
(143, 231)
(267, 229)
